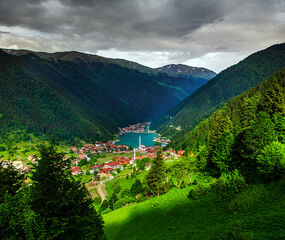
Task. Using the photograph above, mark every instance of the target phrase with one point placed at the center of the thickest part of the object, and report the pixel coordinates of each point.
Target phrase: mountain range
(72, 94)
(187, 71)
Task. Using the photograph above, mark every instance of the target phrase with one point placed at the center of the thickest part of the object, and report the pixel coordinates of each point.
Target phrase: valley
(175, 152)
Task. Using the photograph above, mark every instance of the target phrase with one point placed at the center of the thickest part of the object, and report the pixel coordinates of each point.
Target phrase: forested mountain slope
(227, 84)
(247, 134)
(75, 94)
(234, 176)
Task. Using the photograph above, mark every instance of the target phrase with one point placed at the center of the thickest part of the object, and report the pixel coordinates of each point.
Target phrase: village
(136, 128)
(122, 157)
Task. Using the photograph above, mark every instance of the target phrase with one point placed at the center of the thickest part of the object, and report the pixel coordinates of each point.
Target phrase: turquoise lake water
(132, 139)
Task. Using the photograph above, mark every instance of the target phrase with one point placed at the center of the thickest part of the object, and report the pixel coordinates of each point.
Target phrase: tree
(219, 124)
(17, 220)
(156, 176)
(272, 159)
(136, 187)
(116, 187)
(273, 99)
(113, 200)
(222, 152)
(10, 179)
(60, 201)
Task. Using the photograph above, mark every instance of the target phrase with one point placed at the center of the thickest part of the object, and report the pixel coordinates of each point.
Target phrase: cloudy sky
(208, 33)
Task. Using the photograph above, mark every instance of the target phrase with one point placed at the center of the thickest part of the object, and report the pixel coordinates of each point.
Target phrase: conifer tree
(62, 202)
(156, 176)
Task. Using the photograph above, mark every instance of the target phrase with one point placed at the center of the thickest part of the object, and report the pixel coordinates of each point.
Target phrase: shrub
(104, 205)
(199, 191)
(125, 193)
(230, 183)
(97, 200)
(248, 198)
(136, 187)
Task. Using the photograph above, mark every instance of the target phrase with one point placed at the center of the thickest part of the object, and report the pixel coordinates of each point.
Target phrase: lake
(132, 139)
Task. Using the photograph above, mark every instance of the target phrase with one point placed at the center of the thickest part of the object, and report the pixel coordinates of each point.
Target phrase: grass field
(258, 212)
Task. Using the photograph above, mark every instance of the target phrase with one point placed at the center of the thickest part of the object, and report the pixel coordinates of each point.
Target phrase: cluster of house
(136, 128)
(163, 141)
(105, 169)
(100, 147)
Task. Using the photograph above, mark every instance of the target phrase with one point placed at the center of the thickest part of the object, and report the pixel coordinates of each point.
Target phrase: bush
(125, 193)
(136, 187)
(116, 187)
(199, 191)
(97, 200)
(230, 183)
(248, 198)
(104, 205)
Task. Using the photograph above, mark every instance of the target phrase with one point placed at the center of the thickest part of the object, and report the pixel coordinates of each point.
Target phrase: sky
(204, 33)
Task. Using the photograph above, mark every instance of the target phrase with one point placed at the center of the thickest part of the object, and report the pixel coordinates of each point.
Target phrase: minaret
(140, 140)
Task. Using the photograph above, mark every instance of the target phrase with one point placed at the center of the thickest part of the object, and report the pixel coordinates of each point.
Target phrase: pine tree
(61, 202)
(156, 176)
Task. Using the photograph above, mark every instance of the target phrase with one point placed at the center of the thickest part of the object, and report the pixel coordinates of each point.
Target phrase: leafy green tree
(156, 176)
(279, 121)
(113, 200)
(222, 152)
(273, 99)
(18, 221)
(202, 158)
(136, 187)
(10, 179)
(261, 133)
(60, 201)
(104, 205)
(219, 124)
(116, 187)
(271, 160)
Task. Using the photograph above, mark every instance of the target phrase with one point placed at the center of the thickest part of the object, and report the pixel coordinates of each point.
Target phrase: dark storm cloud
(183, 29)
(166, 18)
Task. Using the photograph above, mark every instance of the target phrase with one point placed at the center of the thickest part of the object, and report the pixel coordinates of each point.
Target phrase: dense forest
(80, 95)
(227, 84)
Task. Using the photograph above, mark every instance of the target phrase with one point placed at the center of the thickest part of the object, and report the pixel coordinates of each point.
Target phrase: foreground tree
(61, 202)
(10, 179)
(156, 176)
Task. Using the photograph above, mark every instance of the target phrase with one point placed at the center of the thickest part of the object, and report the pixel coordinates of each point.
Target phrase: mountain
(73, 94)
(227, 84)
(187, 71)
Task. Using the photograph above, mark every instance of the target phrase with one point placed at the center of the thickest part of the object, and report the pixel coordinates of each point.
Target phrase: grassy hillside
(257, 212)
(227, 84)
(72, 94)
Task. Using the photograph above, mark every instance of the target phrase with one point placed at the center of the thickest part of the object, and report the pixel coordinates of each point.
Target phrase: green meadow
(257, 212)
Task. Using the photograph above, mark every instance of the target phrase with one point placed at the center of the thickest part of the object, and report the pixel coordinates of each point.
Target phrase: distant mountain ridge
(227, 84)
(185, 70)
